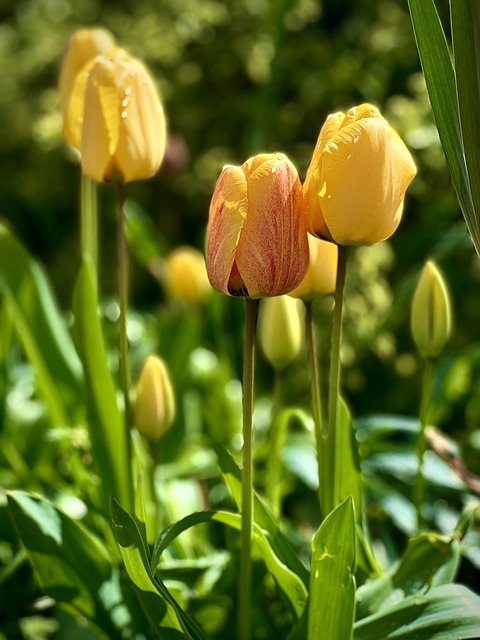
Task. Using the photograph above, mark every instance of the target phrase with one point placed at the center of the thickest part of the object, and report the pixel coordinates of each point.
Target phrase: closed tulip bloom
(321, 275)
(82, 47)
(120, 119)
(154, 407)
(186, 276)
(356, 181)
(280, 330)
(256, 238)
(431, 313)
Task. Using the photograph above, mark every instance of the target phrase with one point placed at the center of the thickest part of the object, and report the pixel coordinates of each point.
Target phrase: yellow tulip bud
(431, 313)
(321, 275)
(117, 116)
(356, 182)
(256, 237)
(280, 329)
(186, 275)
(154, 407)
(82, 47)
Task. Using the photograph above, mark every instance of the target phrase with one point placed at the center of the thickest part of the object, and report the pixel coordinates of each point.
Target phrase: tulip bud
(118, 118)
(321, 275)
(256, 237)
(356, 182)
(431, 314)
(82, 47)
(154, 407)
(280, 329)
(186, 275)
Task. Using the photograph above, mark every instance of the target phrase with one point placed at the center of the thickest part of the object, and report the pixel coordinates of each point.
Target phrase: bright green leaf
(331, 606)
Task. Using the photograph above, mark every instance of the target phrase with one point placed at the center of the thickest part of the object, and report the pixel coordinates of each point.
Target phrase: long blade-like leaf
(107, 432)
(466, 50)
(331, 606)
(440, 79)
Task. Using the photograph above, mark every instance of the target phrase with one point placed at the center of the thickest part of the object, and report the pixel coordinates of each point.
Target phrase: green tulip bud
(280, 329)
(154, 408)
(431, 313)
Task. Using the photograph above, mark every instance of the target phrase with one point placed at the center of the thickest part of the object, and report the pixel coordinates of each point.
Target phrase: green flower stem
(331, 471)
(122, 257)
(89, 220)
(316, 406)
(275, 440)
(420, 483)
(244, 601)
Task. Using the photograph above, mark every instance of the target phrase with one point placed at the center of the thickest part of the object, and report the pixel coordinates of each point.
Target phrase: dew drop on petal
(125, 102)
(128, 91)
(124, 114)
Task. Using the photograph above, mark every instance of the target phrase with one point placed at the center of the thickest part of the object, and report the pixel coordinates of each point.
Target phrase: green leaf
(440, 80)
(349, 473)
(466, 43)
(41, 330)
(331, 607)
(72, 565)
(167, 618)
(107, 430)
(447, 612)
(263, 517)
(430, 559)
(287, 580)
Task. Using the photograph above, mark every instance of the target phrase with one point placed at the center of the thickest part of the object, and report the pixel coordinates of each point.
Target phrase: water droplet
(79, 120)
(124, 114)
(125, 102)
(128, 91)
(279, 156)
(274, 169)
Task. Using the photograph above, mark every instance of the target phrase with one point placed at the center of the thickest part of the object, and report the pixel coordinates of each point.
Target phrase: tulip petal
(272, 253)
(142, 137)
(366, 169)
(228, 211)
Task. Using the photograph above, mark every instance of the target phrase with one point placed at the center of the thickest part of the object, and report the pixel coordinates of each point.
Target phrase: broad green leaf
(430, 559)
(440, 80)
(72, 565)
(447, 612)
(168, 620)
(106, 426)
(466, 48)
(263, 517)
(41, 330)
(287, 580)
(331, 606)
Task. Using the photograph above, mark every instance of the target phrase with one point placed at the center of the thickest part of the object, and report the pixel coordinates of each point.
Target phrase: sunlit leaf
(331, 606)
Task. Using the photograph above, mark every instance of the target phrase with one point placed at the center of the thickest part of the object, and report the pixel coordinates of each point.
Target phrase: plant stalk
(244, 601)
(89, 220)
(316, 405)
(331, 472)
(420, 482)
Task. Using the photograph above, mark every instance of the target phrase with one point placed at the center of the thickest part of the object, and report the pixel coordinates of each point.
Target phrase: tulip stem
(244, 609)
(331, 473)
(316, 405)
(420, 483)
(123, 305)
(89, 220)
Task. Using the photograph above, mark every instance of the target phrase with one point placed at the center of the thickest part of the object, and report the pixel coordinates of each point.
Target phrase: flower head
(356, 181)
(118, 119)
(82, 47)
(256, 237)
(154, 407)
(185, 276)
(280, 329)
(321, 276)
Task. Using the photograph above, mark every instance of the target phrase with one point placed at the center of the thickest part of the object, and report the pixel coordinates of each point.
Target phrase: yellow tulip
(154, 407)
(186, 275)
(321, 275)
(256, 238)
(119, 119)
(280, 329)
(431, 313)
(82, 47)
(357, 178)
